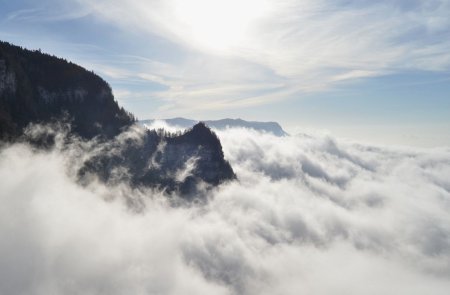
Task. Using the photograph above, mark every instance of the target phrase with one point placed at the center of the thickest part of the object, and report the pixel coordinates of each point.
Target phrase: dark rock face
(36, 87)
(39, 88)
(173, 163)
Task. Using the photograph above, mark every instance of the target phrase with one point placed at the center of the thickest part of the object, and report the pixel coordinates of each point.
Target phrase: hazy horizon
(339, 66)
(355, 199)
(308, 214)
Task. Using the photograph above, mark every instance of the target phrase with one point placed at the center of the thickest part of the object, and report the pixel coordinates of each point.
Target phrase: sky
(377, 71)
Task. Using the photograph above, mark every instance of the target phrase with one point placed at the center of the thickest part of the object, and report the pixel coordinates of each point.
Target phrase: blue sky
(372, 70)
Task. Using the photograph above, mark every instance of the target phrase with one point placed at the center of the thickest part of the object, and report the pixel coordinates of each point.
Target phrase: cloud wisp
(195, 56)
(309, 214)
(295, 46)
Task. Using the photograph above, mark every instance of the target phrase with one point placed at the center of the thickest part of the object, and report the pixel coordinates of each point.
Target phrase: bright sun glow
(219, 24)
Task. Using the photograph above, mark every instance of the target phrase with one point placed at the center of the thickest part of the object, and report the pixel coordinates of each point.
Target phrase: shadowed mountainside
(175, 163)
(37, 88)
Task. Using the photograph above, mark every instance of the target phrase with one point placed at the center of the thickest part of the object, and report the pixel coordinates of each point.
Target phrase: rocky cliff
(36, 87)
(175, 163)
(39, 88)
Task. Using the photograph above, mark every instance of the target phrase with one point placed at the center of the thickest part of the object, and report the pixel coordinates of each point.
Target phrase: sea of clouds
(310, 214)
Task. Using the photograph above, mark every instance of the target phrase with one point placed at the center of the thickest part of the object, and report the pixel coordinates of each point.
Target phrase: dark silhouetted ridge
(268, 127)
(37, 87)
(175, 163)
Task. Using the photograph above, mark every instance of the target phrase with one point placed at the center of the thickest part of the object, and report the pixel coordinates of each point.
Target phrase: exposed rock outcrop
(174, 163)
(39, 88)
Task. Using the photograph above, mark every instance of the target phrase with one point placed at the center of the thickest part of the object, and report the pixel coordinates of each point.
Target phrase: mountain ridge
(269, 127)
(38, 89)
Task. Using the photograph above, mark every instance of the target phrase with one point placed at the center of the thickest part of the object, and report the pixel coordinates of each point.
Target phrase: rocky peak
(49, 88)
(173, 163)
(199, 134)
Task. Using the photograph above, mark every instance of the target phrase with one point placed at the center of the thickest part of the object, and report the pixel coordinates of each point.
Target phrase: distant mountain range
(42, 89)
(269, 127)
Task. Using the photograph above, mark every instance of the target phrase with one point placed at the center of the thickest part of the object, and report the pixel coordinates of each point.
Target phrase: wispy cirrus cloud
(298, 45)
(216, 55)
(45, 14)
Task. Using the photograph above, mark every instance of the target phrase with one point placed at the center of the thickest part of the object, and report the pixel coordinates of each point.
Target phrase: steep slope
(37, 87)
(173, 163)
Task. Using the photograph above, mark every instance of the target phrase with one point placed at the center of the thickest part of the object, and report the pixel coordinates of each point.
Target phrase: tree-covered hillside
(37, 87)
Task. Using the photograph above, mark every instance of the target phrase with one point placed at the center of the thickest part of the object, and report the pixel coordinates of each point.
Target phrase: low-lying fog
(309, 215)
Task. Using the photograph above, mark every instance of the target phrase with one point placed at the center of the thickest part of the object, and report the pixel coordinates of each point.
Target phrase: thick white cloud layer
(309, 215)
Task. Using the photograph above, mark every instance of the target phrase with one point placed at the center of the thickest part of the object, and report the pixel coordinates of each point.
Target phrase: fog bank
(309, 214)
